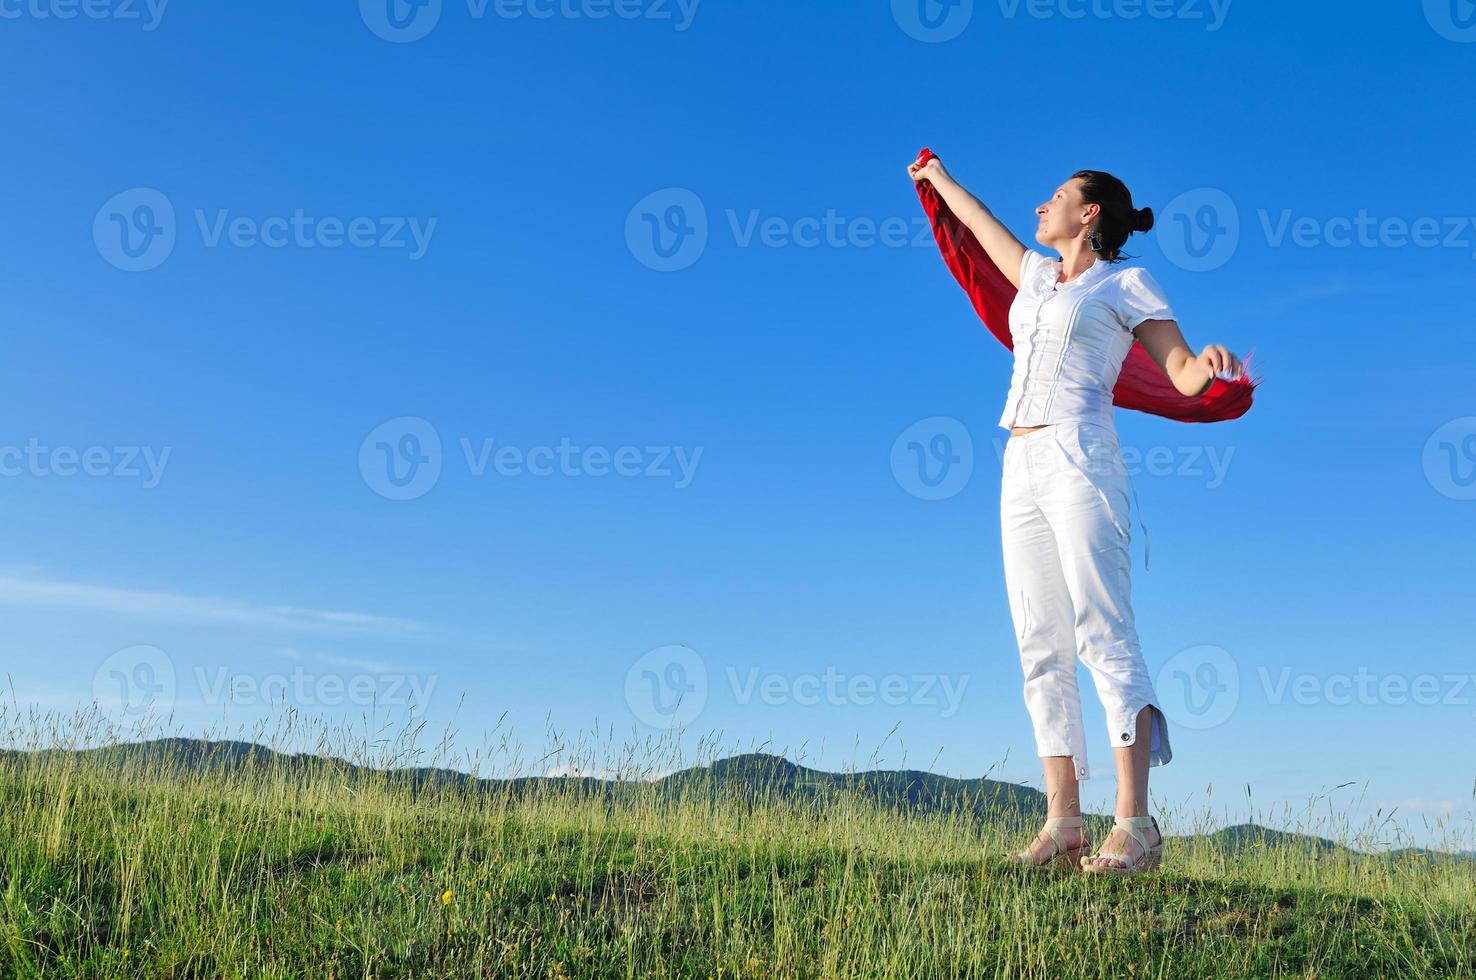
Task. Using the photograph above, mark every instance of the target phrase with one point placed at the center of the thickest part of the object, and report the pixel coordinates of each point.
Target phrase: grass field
(121, 870)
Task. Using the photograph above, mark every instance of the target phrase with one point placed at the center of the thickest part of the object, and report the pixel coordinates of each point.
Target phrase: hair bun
(1143, 219)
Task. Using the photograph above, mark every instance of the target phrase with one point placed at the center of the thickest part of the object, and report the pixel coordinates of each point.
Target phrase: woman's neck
(1076, 258)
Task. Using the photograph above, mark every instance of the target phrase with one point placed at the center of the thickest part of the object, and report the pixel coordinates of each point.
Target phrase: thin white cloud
(322, 656)
(173, 607)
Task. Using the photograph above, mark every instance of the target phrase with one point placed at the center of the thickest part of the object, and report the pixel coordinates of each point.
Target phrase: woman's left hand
(1216, 359)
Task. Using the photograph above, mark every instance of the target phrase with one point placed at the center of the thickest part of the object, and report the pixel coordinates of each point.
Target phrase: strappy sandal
(1061, 855)
(1134, 827)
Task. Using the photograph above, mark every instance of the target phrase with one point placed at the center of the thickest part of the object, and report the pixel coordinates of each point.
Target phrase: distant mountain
(1425, 853)
(751, 778)
(1246, 836)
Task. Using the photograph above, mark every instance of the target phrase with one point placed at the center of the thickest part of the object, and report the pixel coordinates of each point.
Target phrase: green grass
(123, 871)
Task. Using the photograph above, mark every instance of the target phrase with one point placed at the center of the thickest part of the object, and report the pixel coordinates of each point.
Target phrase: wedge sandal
(1136, 828)
(1061, 855)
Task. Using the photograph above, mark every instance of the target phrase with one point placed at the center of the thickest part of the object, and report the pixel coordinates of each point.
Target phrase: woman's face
(1064, 216)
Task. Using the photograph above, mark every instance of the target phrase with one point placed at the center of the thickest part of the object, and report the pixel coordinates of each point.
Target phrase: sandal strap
(1058, 844)
(1055, 823)
(1133, 827)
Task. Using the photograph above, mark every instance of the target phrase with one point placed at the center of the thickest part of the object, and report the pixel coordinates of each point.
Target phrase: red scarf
(1141, 385)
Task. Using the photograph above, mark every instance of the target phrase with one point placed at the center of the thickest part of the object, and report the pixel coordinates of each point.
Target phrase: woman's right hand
(931, 170)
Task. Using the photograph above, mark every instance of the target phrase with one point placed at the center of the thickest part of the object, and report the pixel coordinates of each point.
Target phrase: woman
(1064, 505)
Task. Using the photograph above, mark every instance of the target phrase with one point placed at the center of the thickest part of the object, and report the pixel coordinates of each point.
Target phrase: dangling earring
(1094, 239)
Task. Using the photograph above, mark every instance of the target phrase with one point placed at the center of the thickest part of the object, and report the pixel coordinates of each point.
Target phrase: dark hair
(1118, 218)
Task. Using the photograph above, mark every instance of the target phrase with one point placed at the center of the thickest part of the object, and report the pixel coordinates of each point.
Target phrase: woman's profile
(1064, 498)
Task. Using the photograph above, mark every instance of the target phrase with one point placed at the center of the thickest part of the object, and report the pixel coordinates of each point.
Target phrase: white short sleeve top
(1070, 338)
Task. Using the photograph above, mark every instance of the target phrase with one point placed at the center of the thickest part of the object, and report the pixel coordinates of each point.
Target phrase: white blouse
(1070, 338)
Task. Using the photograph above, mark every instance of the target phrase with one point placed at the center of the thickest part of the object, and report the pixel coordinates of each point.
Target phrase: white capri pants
(1065, 524)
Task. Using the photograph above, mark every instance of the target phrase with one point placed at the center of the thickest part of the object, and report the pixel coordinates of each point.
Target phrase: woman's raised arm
(1003, 248)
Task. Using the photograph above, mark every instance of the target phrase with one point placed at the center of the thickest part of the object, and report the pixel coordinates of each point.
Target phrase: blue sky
(627, 458)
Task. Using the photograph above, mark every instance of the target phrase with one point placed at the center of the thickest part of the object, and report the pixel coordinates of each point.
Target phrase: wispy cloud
(173, 607)
(357, 663)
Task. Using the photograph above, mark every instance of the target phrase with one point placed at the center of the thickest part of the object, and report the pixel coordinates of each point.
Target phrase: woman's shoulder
(1137, 295)
(1035, 269)
(1132, 274)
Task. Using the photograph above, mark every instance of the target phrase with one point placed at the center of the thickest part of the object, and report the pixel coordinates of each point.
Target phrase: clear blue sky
(536, 310)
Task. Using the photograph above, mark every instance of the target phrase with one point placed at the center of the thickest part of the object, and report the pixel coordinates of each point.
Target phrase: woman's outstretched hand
(926, 171)
(1215, 360)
